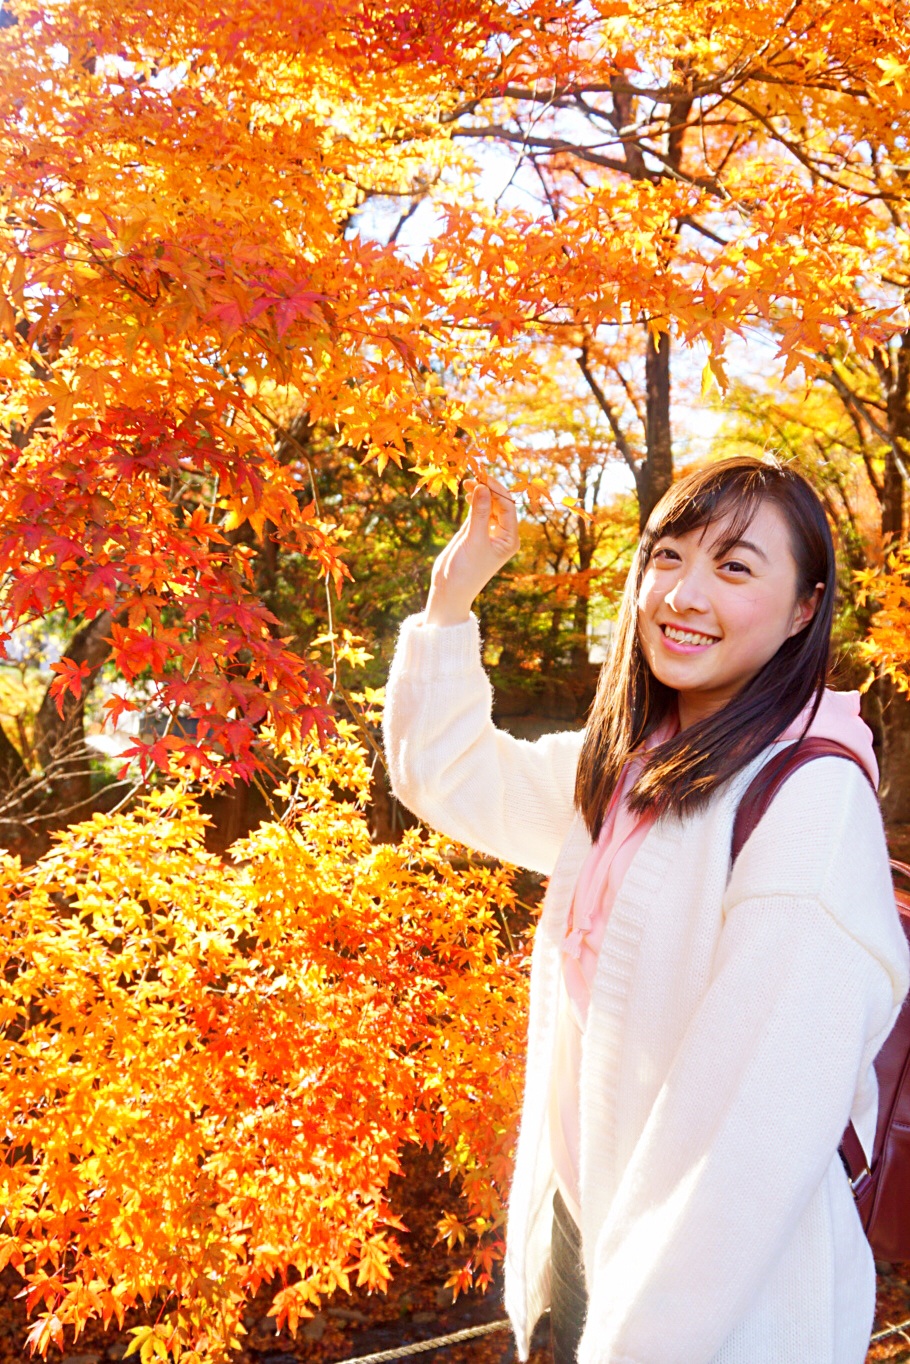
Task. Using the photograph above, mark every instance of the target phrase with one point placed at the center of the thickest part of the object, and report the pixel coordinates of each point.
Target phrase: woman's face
(708, 622)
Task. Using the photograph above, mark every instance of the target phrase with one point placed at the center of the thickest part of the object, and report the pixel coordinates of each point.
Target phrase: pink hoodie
(622, 833)
(839, 718)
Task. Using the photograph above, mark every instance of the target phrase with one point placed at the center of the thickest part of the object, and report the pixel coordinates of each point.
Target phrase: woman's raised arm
(447, 761)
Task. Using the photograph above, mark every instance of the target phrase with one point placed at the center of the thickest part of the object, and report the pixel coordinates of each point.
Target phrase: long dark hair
(681, 774)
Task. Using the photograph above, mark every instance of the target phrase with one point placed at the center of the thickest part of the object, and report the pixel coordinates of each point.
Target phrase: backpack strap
(759, 795)
(766, 783)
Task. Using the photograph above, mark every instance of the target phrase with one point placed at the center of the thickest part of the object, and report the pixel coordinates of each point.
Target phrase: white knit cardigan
(733, 1024)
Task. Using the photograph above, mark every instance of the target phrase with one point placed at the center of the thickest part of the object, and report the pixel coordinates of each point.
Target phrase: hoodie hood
(838, 718)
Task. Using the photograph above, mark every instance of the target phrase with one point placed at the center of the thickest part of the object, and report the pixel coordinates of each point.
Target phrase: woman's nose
(687, 594)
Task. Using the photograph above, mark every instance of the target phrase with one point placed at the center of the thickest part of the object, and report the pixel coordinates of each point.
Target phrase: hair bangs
(731, 503)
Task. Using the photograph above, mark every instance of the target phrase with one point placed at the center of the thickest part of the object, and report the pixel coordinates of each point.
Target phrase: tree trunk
(18, 796)
(60, 739)
(655, 474)
(13, 771)
(895, 707)
(584, 560)
(892, 499)
(894, 791)
(580, 630)
(898, 408)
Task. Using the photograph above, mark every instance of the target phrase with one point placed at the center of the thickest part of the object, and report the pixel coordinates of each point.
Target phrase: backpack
(881, 1186)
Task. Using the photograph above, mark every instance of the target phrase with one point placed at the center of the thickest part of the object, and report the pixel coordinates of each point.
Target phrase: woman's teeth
(687, 636)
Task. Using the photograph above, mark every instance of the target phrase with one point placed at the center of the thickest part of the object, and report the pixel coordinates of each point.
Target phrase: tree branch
(606, 408)
(551, 144)
(854, 401)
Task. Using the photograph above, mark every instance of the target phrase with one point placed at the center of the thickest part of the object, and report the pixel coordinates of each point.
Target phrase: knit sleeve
(752, 1111)
(449, 764)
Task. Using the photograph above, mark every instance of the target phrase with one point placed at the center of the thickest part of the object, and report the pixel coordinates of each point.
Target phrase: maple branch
(10, 813)
(630, 395)
(403, 218)
(660, 94)
(65, 761)
(567, 96)
(735, 143)
(689, 221)
(363, 727)
(763, 77)
(862, 410)
(804, 160)
(553, 206)
(606, 408)
(135, 788)
(583, 153)
(495, 130)
(596, 115)
(871, 474)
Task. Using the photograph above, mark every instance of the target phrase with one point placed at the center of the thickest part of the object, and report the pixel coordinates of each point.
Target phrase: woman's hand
(486, 541)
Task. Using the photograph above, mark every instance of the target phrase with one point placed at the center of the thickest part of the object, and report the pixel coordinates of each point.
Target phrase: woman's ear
(806, 609)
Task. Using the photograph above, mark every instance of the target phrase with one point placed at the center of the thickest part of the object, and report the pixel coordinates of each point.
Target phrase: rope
(472, 1332)
(422, 1345)
(899, 1329)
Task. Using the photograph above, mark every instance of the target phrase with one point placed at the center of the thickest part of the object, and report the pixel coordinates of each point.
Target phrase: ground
(416, 1307)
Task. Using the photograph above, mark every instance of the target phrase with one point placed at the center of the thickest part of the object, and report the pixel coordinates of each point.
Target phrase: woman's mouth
(686, 641)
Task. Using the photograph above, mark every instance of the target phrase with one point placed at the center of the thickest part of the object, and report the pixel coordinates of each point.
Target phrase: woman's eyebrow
(746, 544)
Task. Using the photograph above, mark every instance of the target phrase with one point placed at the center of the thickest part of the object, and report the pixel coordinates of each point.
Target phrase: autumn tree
(693, 162)
(189, 282)
(210, 1068)
(159, 339)
(711, 171)
(576, 544)
(179, 282)
(576, 541)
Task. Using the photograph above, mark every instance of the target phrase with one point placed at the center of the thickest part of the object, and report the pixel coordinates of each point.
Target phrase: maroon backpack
(881, 1186)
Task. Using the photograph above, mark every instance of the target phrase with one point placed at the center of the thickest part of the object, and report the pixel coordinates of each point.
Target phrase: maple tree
(888, 641)
(209, 1068)
(171, 299)
(191, 280)
(712, 172)
(706, 170)
(576, 544)
(156, 338)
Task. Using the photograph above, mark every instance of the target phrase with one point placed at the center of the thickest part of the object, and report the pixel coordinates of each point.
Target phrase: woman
(698, 1037)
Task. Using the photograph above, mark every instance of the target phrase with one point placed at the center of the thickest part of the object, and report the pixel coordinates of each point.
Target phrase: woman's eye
(740, 567)
(661, 552)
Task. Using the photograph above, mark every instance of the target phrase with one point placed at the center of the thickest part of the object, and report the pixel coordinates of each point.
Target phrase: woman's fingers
(479, 515)
(503, 521)
(499, 491)
(493, 522)
(486, 539)
(488, 536)
(494, 502)
(498, 487)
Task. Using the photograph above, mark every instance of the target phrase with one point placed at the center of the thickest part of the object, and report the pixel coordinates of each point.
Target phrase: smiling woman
(732, 615)
(722, 639)
(699, 1035)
